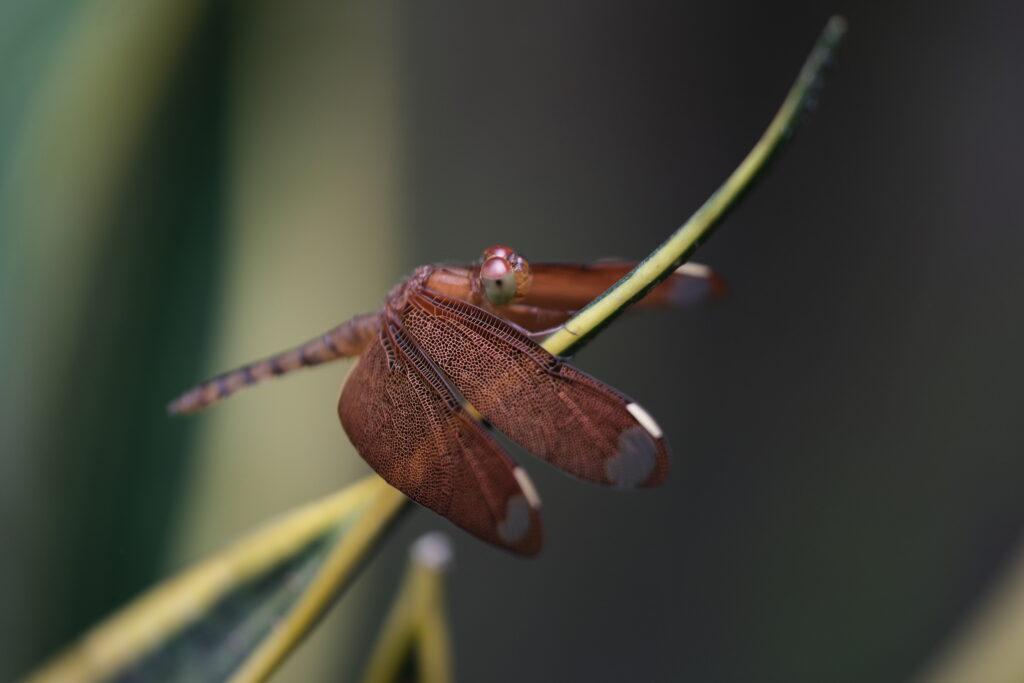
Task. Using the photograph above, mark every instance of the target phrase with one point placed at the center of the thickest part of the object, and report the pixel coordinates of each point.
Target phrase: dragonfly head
(504, 275)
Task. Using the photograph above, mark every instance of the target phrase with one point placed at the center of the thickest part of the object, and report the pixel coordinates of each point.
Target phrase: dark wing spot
(516, 524)
(637, 456)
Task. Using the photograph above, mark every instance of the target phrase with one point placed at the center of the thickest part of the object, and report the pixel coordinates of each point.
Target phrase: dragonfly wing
(536, 321)
(575, 422)
(571, 286)
(411, 429)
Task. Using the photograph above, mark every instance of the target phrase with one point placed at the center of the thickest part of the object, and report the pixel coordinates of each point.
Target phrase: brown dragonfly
(455, 350)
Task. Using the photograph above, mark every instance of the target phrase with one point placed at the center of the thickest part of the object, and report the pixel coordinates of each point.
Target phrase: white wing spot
(694, 270)
(645, 420)
(526, 484)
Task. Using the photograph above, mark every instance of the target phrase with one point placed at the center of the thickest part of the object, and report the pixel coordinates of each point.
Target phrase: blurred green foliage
(105, 217)
(121, 192)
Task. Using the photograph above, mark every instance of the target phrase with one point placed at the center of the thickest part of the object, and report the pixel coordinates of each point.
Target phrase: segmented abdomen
(345, 340)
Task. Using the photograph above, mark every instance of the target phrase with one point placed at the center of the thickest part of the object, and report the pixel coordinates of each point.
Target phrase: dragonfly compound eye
(499, 280)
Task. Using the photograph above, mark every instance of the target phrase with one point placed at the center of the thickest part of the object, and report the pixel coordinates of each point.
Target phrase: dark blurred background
(187, 185)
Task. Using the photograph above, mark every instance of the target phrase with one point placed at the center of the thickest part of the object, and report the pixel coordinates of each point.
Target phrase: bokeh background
(185, 186)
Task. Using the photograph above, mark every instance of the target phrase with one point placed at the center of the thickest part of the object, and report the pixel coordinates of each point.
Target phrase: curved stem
(684, 241)
(163, 612)
(338, 569)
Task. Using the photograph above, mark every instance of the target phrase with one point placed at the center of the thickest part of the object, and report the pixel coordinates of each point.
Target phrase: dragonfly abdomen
(345, 340)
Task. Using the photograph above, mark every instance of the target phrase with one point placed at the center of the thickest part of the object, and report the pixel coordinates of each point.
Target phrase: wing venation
(411, 429)
(555, 411)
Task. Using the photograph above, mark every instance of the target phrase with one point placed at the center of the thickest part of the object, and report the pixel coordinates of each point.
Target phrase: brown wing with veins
(558, 290)
(409, 426)
(558, 413)
(571, 286)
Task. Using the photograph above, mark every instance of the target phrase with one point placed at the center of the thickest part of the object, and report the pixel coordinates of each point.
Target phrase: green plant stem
(341, 565)
(417, 623)
(164, 611)
(684, 241)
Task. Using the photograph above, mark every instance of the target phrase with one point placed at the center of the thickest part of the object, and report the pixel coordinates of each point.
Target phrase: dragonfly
(454, 353)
